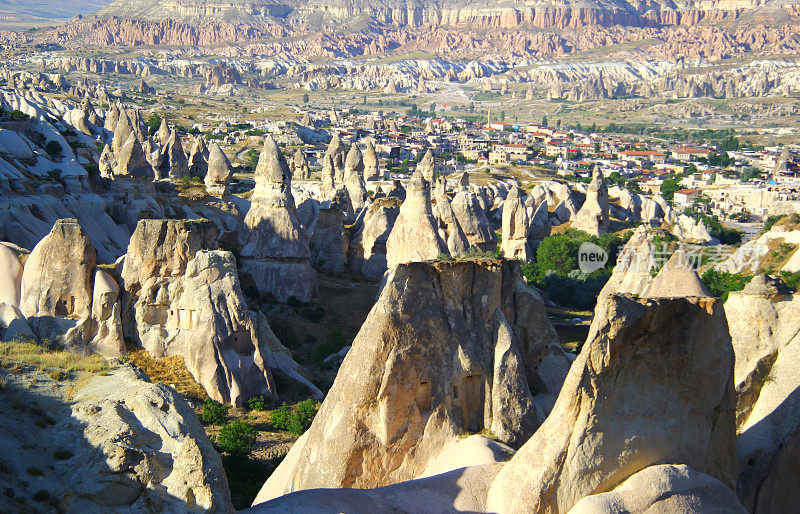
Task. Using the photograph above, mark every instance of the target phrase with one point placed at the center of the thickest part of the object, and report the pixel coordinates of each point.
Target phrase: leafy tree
(668, 188)
(153, 123)
(633, 186)
(237, 437)
(305, 98)
(544, 121)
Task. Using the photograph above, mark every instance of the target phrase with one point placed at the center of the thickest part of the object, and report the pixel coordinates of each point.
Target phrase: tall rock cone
(471, 217)
(178, 164)
(122, 130)
(57, 276)
(370, 161)
(438, 354)
(653, 384)
(219, 171)
(593, 217)
(764, 322)
(198, 159)
(300, 168)
(164, 133)
(426, 166)
(515, 225)
(276, 252)
(414, 236)
(354, 179)
(132, 162)
(457, 242)
(328, 176)
(677, 278)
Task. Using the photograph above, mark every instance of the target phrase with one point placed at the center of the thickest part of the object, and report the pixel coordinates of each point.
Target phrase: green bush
(237, 438)
(720, 283)
(557, 273)
(772, 220)
(53, 148)
(257, 403)
(18, 115)
(214, 413)
(296, 421)
(302, 416)
(792, 279)
(280, 417)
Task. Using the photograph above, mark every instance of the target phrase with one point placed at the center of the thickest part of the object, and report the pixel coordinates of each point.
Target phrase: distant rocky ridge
(430, 14)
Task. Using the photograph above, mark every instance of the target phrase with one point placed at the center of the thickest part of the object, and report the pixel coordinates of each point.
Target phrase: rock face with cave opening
(444, 351)
(182, 297)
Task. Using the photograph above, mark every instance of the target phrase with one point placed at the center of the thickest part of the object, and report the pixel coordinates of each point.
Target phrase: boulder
(144, 449)
(461, 490)
(652, 385)
(664, 488)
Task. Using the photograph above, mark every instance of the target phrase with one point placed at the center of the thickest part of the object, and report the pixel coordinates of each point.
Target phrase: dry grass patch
(15, 353)
(168, 370)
